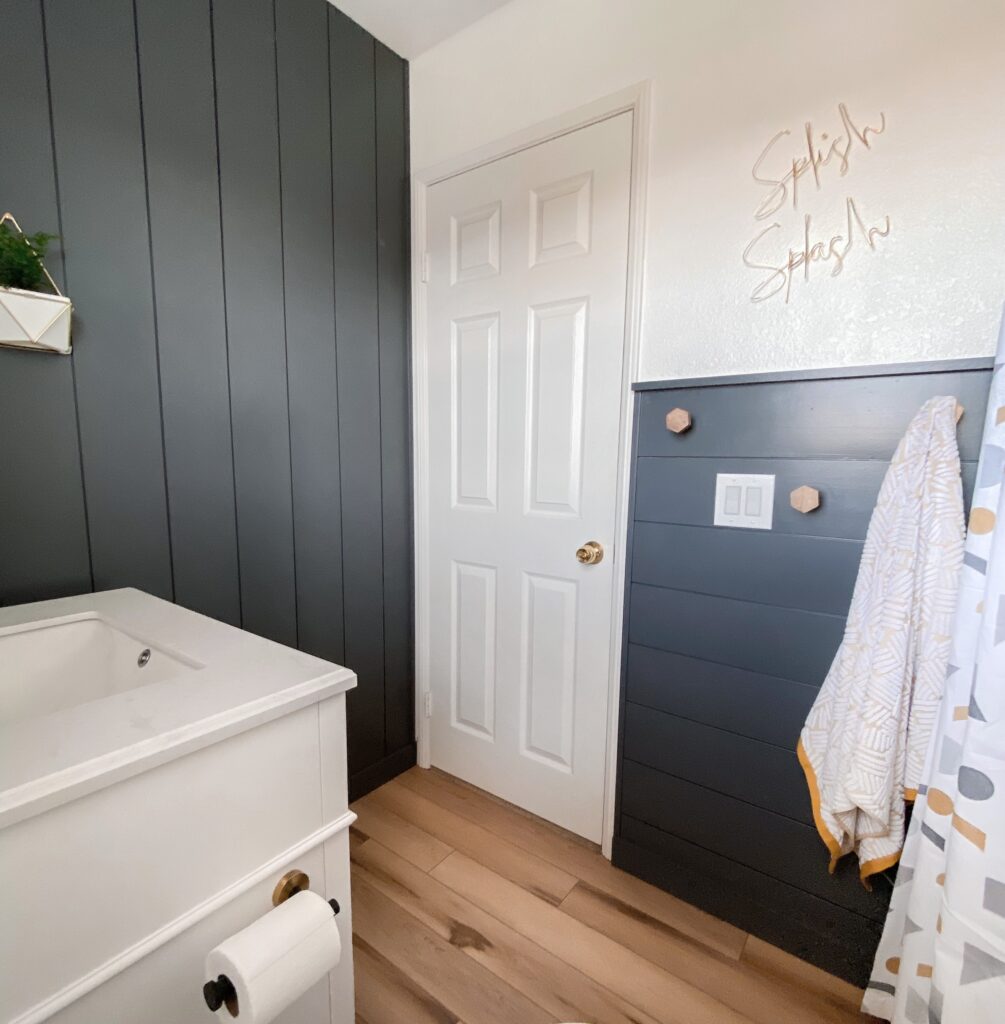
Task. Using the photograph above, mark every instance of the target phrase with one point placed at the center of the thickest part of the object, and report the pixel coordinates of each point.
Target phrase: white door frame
(635, 99)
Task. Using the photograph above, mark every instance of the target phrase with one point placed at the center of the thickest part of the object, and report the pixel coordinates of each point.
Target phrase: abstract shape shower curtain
(942, 956)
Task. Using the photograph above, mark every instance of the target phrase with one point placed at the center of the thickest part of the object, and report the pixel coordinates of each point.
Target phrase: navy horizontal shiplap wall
(730, 633)
(229, 180)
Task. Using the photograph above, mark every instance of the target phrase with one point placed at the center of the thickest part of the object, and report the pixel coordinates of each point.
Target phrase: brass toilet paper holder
(293, 882)
(221, 991)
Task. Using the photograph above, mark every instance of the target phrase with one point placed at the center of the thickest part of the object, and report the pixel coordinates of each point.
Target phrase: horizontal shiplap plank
(811, 573)
(682, 491)
(815, 929)
(825, 419)
(760, 706)
(749, 835)
(783, 642)
(759, 773)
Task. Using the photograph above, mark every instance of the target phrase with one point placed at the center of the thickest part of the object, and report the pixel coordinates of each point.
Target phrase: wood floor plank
(414, 844)
(568, 994)
(772, 962)
(490, 809)
(538, 876)
(357, 837)
(575, 855)
(385, 995)
(451, 978)
(659, 993)
(765, 999)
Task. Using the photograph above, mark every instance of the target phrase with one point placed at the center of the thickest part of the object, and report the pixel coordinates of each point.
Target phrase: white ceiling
(411, 26)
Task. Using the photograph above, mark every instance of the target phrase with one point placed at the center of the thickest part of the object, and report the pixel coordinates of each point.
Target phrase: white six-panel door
(526, 278)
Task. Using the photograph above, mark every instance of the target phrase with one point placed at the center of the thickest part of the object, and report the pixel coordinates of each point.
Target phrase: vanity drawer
(165, 987)
(102, 873)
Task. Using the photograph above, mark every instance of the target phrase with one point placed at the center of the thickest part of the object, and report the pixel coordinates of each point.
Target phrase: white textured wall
(727, 75)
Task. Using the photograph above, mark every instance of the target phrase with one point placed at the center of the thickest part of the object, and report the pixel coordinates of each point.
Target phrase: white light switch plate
(744, 499)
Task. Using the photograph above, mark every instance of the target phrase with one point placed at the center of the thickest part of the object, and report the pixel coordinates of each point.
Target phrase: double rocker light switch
(744, 500)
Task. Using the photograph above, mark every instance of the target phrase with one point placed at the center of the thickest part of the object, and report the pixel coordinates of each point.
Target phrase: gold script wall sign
(826, 157)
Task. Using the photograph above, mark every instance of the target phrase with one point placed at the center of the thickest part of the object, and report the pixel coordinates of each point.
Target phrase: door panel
(549, 669)
(474, 375)
(472, 671)
(526, 306)
(555, 406)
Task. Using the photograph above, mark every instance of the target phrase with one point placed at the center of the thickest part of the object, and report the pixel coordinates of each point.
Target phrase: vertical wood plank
(106, 244)
(43, 525)
(305, 160)
(179, 117)
(395, 399)
(253, 280)
(353, 182)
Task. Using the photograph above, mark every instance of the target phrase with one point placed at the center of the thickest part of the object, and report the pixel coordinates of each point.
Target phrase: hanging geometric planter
(34, 320)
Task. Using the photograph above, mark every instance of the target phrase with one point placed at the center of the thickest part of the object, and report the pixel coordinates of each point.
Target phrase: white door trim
(635, 99)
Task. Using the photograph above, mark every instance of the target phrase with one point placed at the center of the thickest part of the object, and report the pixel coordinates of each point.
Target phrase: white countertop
(244, 681)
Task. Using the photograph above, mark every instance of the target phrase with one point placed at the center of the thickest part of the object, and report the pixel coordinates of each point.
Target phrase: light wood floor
(466, 909)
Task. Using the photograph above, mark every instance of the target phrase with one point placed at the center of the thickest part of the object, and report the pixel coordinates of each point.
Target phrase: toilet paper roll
(277, 958)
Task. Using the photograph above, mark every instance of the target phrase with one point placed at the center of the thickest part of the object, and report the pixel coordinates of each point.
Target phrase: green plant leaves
(21, 259)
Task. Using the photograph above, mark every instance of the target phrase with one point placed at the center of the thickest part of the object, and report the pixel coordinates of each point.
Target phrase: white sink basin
(60, 663)
(79, 712)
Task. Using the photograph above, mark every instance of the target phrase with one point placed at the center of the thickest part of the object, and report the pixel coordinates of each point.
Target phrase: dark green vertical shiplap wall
(229, 179)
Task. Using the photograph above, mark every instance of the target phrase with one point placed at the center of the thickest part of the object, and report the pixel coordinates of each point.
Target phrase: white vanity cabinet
(140, 828)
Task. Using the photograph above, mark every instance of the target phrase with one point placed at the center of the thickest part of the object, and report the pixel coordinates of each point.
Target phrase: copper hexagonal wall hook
(678, 420)
(805, 499)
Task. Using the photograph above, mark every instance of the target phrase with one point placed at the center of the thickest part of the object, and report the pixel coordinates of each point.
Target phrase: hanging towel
(863, 745)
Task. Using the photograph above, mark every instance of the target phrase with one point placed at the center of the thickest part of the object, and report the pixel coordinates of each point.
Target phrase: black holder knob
(218, 992)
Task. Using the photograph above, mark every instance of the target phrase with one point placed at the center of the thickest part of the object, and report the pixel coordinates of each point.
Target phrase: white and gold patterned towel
(863, 745)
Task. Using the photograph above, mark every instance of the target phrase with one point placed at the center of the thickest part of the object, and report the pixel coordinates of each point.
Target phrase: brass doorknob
(590, 553)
